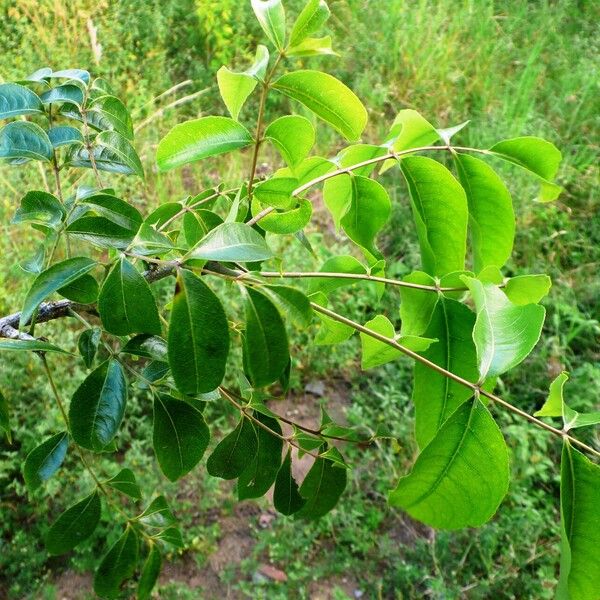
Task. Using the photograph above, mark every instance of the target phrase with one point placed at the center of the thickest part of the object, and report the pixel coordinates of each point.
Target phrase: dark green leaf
(30, 346)
(286, 497)
(158, 514)
(150, 573)
(147, 346)
(5, 417)
(63, 135)
(88, 343)
(292, 303)
(67, 93)
(83, 290)
(124, 481)
(21, 141)
(235, 452)
(40, 207)
(109, 113)
(44, 460)
(17, 100)
(117, 565)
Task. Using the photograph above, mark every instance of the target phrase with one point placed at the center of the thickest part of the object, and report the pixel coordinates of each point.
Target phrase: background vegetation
(514, 68)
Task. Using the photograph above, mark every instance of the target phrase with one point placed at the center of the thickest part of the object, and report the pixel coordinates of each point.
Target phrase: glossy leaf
(157, 514)
(44, 460)
(461, 476)
(63, 135)
(88, 343)
(313, 47)
(150, 573)
(198, 336)
(29, 346)
(67, 93)
(117, 145)
(286, 495)
(328, 98)
(293, 136)
(124, 481)
(117, 565)
(83, 290)
(309, 21)
(411, 130)
(180, 436)
(109, 113)
(234, 452)
(271, 16)
(147, 346)
(98, 406)
(527, 289)
(21, 141)
(40, 207)
(126, 303)
(17, 100)
(198, 139)
(74, 526)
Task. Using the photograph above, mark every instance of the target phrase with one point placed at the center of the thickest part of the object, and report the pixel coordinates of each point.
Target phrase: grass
(513, 68)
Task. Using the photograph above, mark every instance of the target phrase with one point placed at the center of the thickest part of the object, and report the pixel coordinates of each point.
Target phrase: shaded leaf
(124, 481)
(21, 141)
(286, 496)
(150, 573)
(88, 343)
(234, 452)
(17, 100)
(44, 460)
(117, 565)
(40, 207)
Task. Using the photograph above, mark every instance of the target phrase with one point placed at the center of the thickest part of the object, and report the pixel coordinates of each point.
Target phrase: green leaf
(98, 405)
(271, 16)
(126, 303)
(114, 209)
(51, 280)
(504, 333)
(150, 573)
(88, 343)
(147, 346)
(293, 136)
(461, 476)
(440, 211)
(536, 156)
(124, 481)
(171, 536)
(83, 290)
(328, 98)
(417, 306)
(579, 501)
(435, 396)
(118, 145)
(447, 133)
(17, 100)
(322, 488)
(313, 47)
(232, 242)
(235, 88)
(63, 135)
(158, 514)
(265, 343)
(67, 93)
(527, 289)
(74, 526)
(198, 336)
(109, 113)
(21, 141)
(151, 242)
(79, 74)
(336, 264)
(260, 474)
(180, 436)
(491, 215)
(117, 565)
(44, 460)
(286, 497)
(284, 222)
(309, 21)
(358, 153)
(277, 192)
(198, 139)
(30, 346)
(337, 196)
(292, 303)
(5, 418)
(411, 130)
(39, 207)
(234, 452)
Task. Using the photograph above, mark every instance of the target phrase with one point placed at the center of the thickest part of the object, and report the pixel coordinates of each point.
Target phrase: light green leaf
(271, 16)
(417, 306)
(436, 397)
(313, 16)
(124, 481)
(126, 303)
(44, 460)
(21, 141)
(461, 476)
(337, 264)
(293, 136)
(328, 98)
(504, 333)
(440, 210)
(17, 100)
(232, 242)
(117, 565)
(150, 573)
(579, 501)
(313, 47)
(74, 526)
(98, 406)
(411, 130)
(447, 133)
(284, 222)
(180, 436)
(198, 139)
(51, 280)
(491, 215)
(527, 289)
(234, 452)
(277, 192)
(358, 153)
(537, 156)
(198, 336)
(39, 207)
(63, 135)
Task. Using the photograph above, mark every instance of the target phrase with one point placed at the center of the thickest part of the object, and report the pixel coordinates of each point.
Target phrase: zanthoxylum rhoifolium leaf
(235, 87)
(172, 536)
(291, 302)
(435, 396)
(146, 346)
(198, 336)
(235, 452)
(17, 100)
(232, 242)
(74, 526)
(331, 332)
(30, 346)
(441, 213)
(150, 242)
(180, 436)
(51, 280)
(358, 153)
(21, 141)
(80, 75)
(312, 17)
(265, 343)
(461, 476)
(491, 215)
(198, 223)
(88, 343)
(118, 564)
(309, 169)
(322, 487)
(336, 264)
(328, 98)
(83, 290)
(284, 222)
(555, 406)
(98, 406)
(5, 418)
(41, 208)
(417, 306)
(63, 94)
(580, 547)
(376, 352)
(527, 289)
(200, 138)
(44, 460)
(261, 472)
(277, 192)
(293, 136)
(108, 113)
(126, 303)
(313, 47)
(447, 133)
(158, 514)
(124, 481)
(286, 496)
(504, 333)
(34, 264)
(150, 573)
(537, 156)
(64, 135)
(271, 16)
